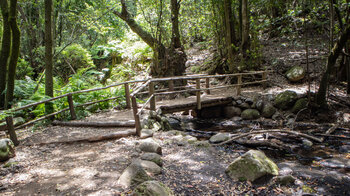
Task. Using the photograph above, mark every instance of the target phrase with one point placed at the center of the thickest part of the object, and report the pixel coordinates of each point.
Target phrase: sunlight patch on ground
(84, 172)
(47, 172)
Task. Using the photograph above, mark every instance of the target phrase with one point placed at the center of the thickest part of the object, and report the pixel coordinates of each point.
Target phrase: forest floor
(94, 168)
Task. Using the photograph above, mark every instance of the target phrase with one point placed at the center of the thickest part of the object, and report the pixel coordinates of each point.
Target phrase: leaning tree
(168, 60)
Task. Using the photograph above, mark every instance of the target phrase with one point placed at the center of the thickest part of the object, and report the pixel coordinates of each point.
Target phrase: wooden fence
(131, 99)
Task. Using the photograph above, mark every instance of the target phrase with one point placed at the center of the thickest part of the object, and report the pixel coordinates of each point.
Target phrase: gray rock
(250, 114)
(7, 149)
(146, 133)
(154, 157)
(239, 101)
(133, 175)
(307, 143)
(190, 139)
(296, 73)
(285, 180)
(285, 99)
(202, 144)
(285, 171)
(220, 137)
(244, 106)
(259, 105)
(149, 145)
(152, 188)
(18, 121)
(268, 110)
(251, 166)
(231, 111)
(150, 167)
(249, 101)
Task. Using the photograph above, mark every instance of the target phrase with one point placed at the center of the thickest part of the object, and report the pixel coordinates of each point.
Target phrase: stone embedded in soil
(149, 145)
(286, 99)
(268, 110)
(152, 188)
(295, 74)
(202, 144)
(6, 149)
(299, 105)
(259, 105)
(251, 166)
(150, 167)
(190, 139)
(146, 133)
(244, 106)
(285, 180)
(220, 137)
(250, 114)
(133, 175)
(231, 111)
(154, 157)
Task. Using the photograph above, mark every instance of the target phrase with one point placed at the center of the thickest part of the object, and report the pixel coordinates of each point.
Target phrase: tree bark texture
(15, 44)
(48, 54)
(230, 34)
(5, 50)
(245, 28)
(332, 58)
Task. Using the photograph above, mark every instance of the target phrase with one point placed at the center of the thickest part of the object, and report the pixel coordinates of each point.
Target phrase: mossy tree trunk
(5, 49)
(167, 61)
(332, 58)
(48, 55)
(245, 45)
(230, 34)
(15, 44)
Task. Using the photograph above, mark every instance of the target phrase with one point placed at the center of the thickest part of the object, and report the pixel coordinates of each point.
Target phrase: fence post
(11, 130)
(71, 106)
(264, 77)
(136, 116)
(153, 100)
(239, 83)
(127, 95)
(198, 86)
(207, 85)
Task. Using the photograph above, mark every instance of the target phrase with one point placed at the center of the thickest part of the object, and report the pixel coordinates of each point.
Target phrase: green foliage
(74, 57)
(23, 69)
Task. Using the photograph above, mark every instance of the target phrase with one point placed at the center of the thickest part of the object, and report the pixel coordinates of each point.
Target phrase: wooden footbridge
(149, 90)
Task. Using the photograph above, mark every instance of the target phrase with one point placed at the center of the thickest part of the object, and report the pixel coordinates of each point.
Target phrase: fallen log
(238, 136)
(274, 143)
(130, 123)
(111, 136)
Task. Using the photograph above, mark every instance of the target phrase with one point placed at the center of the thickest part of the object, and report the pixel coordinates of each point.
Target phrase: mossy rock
(154, 157)
(268, 110)
(299, 105)
(250, 114)
(220, 137)
(285, 99)
(6, 149)
(295, 74)
(251, 166)
(152, 188)
(133, 175)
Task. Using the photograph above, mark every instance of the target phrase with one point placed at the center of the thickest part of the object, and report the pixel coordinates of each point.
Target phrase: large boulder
(251, 166)
(250, 114)
(295, 74)
(7, 149)
(268, 110)
(299, 105)
(149, 145)
(133, 175)
(285, 99)
(150, 167)
(151, 188)
(154, 157)
(220, 137)
(231, 111)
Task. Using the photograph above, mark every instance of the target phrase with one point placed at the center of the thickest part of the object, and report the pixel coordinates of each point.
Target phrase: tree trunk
(5, 50)
(332, 58)
(48, 54)
(175, 7)
(245, 28)
(16, 38)
(230, 34)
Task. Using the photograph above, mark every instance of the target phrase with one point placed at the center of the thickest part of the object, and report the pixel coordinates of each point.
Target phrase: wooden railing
(9, 120)
(152, 93)
(131, 99)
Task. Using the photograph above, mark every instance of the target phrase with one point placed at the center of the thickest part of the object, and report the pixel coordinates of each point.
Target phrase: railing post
(171, 88)
(264, 77)
(198, 87)
(153, 100)
(11, 130)
(207, 85)
(127, 95)
(136, 116)
(71, 106)
(239, 83)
